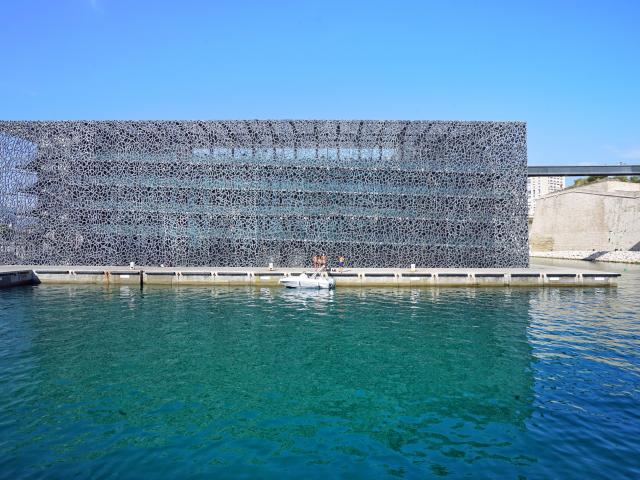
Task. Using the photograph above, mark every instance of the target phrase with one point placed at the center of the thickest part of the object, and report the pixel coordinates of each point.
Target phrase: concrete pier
(13, 278)
(540, 276)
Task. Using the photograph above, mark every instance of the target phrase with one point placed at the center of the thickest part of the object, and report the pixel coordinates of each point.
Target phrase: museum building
(255, 192)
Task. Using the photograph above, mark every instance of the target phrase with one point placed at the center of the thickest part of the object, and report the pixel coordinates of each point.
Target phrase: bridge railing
(582, 170)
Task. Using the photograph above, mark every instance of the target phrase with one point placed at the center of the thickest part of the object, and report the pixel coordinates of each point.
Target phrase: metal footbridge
(581, 170)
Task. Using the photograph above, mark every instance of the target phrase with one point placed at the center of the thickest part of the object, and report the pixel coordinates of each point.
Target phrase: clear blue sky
(570, 69)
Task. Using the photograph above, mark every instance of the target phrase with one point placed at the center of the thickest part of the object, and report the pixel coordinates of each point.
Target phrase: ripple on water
(358, 383)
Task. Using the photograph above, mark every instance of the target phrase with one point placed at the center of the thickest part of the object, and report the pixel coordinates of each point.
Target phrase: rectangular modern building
(250, 193)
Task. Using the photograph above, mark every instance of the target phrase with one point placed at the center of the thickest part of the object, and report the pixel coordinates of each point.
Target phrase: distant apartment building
(539, 187)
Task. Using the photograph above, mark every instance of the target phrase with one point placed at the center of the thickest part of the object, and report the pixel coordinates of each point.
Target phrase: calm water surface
(234, 382)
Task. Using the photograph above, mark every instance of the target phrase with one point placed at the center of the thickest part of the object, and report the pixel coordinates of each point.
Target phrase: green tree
(594, 178)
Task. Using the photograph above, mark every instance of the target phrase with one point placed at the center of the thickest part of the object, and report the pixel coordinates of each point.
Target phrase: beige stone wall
(538, 187)
(604, 216)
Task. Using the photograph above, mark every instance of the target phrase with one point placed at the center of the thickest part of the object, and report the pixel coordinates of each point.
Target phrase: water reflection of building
(462, 352)
(399, 373)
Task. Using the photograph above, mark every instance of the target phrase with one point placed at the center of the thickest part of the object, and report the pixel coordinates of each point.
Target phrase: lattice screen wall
(247, 193)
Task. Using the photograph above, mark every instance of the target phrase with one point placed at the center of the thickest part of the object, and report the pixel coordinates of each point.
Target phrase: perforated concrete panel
(250, 193)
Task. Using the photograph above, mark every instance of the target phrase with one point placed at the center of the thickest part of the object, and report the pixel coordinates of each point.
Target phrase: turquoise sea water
(234, 382)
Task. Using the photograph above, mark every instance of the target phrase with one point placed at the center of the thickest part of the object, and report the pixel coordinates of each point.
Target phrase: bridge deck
(581, 170)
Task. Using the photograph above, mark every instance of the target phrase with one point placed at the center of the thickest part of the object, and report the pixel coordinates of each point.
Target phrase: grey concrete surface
(538, 276)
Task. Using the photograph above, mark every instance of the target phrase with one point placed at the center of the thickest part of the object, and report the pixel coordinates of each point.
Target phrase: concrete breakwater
(540, 276)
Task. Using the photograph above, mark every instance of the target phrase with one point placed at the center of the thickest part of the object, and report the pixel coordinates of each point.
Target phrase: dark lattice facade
(249, 193)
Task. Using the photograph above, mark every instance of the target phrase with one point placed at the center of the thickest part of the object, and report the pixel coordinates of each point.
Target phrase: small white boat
(305, 281)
